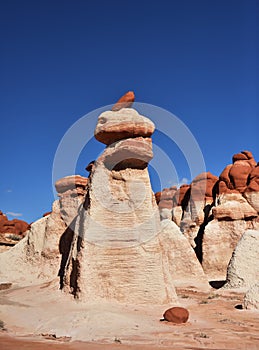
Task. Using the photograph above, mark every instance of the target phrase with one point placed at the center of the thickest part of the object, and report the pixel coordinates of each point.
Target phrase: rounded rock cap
(126, 123)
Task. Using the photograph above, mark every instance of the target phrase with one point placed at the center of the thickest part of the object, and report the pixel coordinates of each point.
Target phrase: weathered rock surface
(72, 182)
(251, 299)
(182, 196)
(118, 250)
(202, 187)
(176, 315)
(233, 206)
(185, 269)
(37, 258)
(126, 123)
(71, 190)
(120, 257)
(252, 191)
(125, 101)
(219, 241)
(126, 153)
(235, 176)
(166, 198)
(243, 268)
(204, 210)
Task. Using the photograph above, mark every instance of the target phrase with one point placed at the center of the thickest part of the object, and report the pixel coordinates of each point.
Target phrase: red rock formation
(166, 199)
(14, 227)
(238, 175)
(125, 101)
(176, 315)
(253, 180)
(202, 187)
(235, 177)
(181, 196)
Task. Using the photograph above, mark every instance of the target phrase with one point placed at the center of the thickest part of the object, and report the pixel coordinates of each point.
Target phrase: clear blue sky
(61, 59)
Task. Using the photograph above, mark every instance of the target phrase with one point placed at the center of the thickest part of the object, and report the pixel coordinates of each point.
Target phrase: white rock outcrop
(184, 266)
(243, 268)
(219, 241)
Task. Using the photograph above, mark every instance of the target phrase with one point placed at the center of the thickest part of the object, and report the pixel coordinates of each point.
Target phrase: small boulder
(176, 315)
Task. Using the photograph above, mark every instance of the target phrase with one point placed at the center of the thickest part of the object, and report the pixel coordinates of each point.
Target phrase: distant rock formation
(11, 231)
(213, 213)
(38, 256)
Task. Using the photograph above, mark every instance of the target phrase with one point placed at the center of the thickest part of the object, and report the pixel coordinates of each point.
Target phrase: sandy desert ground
(40, 317)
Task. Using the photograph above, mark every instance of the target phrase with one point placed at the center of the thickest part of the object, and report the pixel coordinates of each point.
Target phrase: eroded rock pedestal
(118, 250)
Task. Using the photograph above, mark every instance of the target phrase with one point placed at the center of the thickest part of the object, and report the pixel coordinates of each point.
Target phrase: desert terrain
(217, 321)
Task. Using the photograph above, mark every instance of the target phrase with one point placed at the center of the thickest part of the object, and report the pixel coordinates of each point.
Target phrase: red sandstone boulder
(223, 188)
(224, 177)
(252, 191)
(253, 180)
(125, 101)
(176, 315)
(239, 173)
(244, 155)
(236, 175)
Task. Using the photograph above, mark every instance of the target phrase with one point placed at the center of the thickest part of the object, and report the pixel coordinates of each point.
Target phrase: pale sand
(40, 312)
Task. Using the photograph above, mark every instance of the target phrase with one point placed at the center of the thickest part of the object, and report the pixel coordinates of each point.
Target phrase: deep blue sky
(62, 59)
